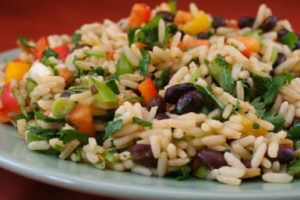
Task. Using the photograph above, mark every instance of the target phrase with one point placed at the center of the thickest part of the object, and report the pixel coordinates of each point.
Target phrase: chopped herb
(130, 35)
(294, 167)
(194, 76)
(173, 7)
(235, 108)
(180, 174)
(108, 117)
(46, 118)
(113, 86)
(202, 172)
(114, 77)
(268, 88)
(20, 100)
(134, 99)
(23, 41)
(141, 122)
(256, 125)
(30, 85)
(99, 71)
(124, 66)
(144, 63)
(47, 54)
(29, 117)
(294, 131)
(277, 120)
(76, 38)
(289, 39)
(78, 154)
(208, 94)
(274, 55)
(259, 106)
(112, 127)
(109, 156)
(76, 88)
(94, 53)
(221, 72)
(195, 60)
(71, 134)
(118, 115)
(36, 133)
(162, 80)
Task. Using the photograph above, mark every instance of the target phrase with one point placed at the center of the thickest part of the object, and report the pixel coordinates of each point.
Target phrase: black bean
(203, 36)
(247, 163)
(285, 154)
(246, 22)
(209, 158)
(218, 22)
(280, 59)
(272, 73)
(161, 116)
(269, 23)
(191, 101)
(158, 101)
(142, 154)
(169, 77)
(169, 17)
(174, 92)
(282, 32)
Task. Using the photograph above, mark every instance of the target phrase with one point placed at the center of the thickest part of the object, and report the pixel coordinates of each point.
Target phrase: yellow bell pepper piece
(199, 24)
(15, 70)
(249, 129)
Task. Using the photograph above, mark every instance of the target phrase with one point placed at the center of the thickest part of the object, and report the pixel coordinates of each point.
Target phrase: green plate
(15, 157)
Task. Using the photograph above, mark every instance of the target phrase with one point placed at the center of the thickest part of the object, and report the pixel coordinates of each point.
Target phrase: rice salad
(164, 92)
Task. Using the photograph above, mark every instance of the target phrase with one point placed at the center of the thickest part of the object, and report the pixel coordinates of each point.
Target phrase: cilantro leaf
(112, 127)
(289, 39)
(162, 80)
(277, 120)
(36, 133)
(259, 106)
(99, 71)
(268, 88)
(69, 135)
(46, 118)
(141, 122)
(294, 131)
(294, 167)
(144, 63)
(180, 174)
(130, 35)
(113, 86)
(208, 94)
(94, 53)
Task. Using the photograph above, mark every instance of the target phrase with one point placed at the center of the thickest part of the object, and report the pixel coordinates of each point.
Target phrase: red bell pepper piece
(41, 45)
(140, 13)
(62, 51)
(147, 89)
(9, 101)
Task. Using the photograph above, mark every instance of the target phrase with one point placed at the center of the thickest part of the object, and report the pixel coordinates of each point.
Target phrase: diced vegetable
(61, 107)
(62, 51)
(109, 156)
(162, 80)
(45, 118)
(66, 74)
(124, 66)
(256, 35)
(30, 85)
(194, 76)
(202, 172)
(20, 100)
(182, 17)
(15, 70)
(294, 131)
(173, 6)
(193, 43)
(9, 101)
(47, 54)
(36, 133)
(94, 53)
(40, 46)
(99, 71)
(274, 55)
(82, 116)
(76, 38)
(112, 127)
(147, 89)
(199, 24)
(221, 72)
(140, 14)
(102, 93)
(251, 44)
(294, 167)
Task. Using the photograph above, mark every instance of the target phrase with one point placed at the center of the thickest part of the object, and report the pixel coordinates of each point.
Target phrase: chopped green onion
(145, 62)
(141, 122)
(24, 42)
(76, 37)
(94, 53)
(274, 55)
(194, 76)
(202, 172)
(113, 86)
(30, 85)
(78, 154)
(256, 125)
(124, 66)
(21, 100)
(62, 106)
(133, 99)
(109, 157)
